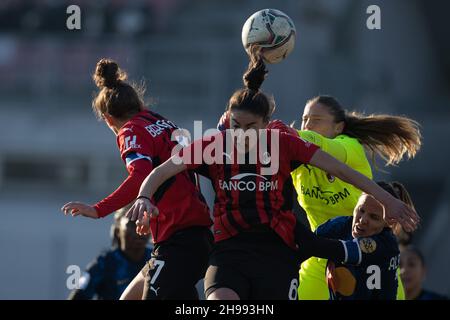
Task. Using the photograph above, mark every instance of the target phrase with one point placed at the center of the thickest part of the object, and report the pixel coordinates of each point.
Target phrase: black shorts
(177, 264)
(254, 265)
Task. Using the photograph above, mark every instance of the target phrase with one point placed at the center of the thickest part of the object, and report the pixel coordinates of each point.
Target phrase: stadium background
(52, 150)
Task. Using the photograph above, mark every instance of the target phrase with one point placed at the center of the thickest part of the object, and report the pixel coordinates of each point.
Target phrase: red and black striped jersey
(250, 193)
(147, 136)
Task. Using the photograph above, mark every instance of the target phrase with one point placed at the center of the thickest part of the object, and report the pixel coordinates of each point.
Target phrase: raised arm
(394, 209)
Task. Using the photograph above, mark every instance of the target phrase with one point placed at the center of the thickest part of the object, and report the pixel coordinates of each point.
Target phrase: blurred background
(189, 52)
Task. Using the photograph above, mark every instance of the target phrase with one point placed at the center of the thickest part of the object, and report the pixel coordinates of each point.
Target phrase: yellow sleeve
(333, 147)
(400, 289)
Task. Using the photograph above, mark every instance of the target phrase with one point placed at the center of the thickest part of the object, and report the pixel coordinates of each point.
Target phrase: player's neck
(117, 125)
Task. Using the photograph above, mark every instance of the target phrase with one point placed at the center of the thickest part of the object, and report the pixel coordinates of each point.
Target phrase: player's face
(129, 239)
(317, 117)
(246, 121)
(412, 271)
(367, 217)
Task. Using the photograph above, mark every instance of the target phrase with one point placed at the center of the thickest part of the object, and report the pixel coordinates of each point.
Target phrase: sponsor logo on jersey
(328, 197)
(128, 129)
(367, 245)
(265, 158)
(240, 183)
(130, 143)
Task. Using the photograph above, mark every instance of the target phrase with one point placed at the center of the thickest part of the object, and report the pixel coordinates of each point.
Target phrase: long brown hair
(116, 97)
(390, 137)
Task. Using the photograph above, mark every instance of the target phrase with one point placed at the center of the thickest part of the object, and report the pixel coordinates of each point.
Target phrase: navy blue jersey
(375, 277)
(429, 295)
(108, 275)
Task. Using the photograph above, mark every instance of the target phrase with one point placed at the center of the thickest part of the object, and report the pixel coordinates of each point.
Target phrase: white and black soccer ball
(272, 30)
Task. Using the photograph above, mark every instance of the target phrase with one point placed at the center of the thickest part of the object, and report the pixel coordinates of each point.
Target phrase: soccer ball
(273, 31)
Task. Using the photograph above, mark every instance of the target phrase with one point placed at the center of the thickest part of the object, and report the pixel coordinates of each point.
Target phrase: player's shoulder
(130, 129)
(338, 226)
(350, 143)
(343, 138)
(136, 123)
(384, 241)
(341, 221)
(109, 253)
(289, 139)
(102, 258)
(388, 236)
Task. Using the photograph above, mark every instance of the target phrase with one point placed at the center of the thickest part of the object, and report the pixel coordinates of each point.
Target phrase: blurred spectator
(111, 272)
(139, 17)
(413, 272)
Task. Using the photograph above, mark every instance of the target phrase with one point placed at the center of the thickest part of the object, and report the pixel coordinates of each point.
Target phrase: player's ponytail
(390, 137)
(108, 74)
(117, 97)
(256, 71)
(251, 99)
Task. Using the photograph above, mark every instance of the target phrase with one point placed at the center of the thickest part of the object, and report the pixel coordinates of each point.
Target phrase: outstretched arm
(394, 209)
(153, 181)
(122, 196)
(331, 146)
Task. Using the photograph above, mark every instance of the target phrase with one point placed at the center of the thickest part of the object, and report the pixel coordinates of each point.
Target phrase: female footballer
(376, 277)
(181, 233)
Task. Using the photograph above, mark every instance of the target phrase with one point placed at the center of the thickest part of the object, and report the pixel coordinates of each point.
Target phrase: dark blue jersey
(375, 277)
(108, 275)
(429, 295)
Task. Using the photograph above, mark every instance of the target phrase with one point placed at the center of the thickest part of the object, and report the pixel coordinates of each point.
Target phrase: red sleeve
(280, 125)
(127, 191)
(296, 148)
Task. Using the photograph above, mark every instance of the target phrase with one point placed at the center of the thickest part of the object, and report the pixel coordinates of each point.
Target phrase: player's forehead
(409, 256)
(243, 117)
(316, 109)
(369, 203)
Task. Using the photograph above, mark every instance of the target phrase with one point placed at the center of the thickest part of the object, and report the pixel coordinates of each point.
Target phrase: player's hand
(143, 226)
(224, 122)
(397, 211)
(77, 208)
(139, 208)
(280, 125)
